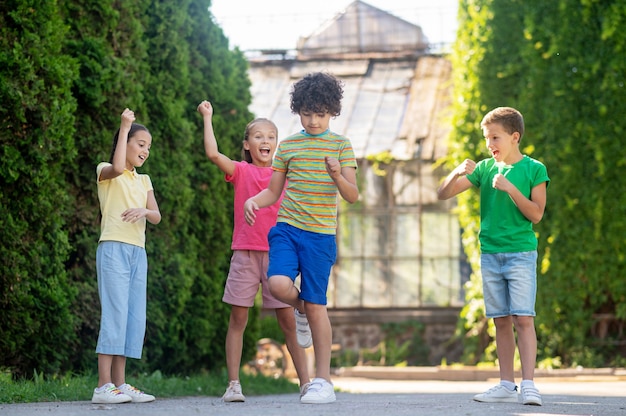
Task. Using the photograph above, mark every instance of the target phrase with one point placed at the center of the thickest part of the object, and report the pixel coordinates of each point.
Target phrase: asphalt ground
(359, 396)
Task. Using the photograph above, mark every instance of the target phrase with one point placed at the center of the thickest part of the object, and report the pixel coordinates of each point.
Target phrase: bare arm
(532, 208)
(344, 178)
(266, 197)
(118, 164)
(223, 162)
(154, 214)
(456, 182)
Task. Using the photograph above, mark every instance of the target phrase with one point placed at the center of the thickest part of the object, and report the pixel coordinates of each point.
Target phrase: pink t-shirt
(248, 181)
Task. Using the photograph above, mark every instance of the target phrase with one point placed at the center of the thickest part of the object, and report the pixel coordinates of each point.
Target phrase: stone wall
(361, 329)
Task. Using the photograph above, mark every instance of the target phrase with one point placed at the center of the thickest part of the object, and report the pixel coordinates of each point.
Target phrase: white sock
(508, 384)
(103, 387)
(527, 383)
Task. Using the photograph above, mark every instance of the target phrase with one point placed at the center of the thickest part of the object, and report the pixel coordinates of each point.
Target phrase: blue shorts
(311, 255)
(509, 283)
(122, 283)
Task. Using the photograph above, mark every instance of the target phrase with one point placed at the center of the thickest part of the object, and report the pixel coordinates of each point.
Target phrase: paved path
(369, 397)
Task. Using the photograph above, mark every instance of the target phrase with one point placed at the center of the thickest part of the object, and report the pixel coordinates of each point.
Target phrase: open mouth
(264, 150)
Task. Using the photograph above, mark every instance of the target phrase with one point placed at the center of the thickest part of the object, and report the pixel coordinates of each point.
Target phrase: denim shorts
(509, 283)
(122, 283)
(311, 255)
(248, 270)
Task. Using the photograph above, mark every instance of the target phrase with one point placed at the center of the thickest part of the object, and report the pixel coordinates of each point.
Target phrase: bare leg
(322, 338)
(234, 340)
(287, 323)
(527, 344)
(505, 347)
(105, 364)
(118, 370)
(283, 289)
(111, 369)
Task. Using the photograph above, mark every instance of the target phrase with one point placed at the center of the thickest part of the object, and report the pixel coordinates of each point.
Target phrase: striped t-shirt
(310, 201)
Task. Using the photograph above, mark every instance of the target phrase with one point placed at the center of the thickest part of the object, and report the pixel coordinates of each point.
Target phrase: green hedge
(66, 73)
(561, 64)
(36, 129)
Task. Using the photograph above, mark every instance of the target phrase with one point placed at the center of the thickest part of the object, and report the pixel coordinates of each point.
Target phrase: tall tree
(36, 142)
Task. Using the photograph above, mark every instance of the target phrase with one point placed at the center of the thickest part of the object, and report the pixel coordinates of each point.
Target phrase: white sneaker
(233, 392)
(109, 394)
(530, 395)
(303, 331)
(497, 394)
(319, 391)
(135, 394)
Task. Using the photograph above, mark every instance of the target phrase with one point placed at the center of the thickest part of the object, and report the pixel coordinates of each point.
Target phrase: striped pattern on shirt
(310, 201)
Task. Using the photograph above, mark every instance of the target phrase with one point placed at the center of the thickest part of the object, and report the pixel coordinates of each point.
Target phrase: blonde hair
(245, 154)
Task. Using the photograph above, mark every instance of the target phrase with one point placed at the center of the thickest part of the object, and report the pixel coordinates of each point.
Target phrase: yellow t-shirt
(129, 190)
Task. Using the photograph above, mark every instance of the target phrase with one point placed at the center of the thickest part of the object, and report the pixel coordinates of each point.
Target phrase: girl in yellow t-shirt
(126, 202)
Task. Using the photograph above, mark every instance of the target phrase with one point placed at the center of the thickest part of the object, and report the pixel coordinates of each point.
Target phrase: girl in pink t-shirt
(248, 265)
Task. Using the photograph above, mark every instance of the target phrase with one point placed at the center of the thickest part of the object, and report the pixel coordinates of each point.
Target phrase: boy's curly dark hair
(318, 92)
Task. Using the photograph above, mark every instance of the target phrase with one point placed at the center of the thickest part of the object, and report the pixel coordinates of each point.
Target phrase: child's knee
(280, 286)
(523, 322)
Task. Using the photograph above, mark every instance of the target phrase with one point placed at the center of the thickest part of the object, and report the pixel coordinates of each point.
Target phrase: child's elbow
(352, 196)
(154, 219)
(536, 219)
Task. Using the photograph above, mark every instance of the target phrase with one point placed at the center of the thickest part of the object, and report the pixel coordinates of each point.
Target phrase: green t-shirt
(503, 227)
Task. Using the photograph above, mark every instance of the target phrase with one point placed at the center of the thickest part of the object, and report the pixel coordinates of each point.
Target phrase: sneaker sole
(235, 399)
(319, 401)
(110, 401)
(502, 400)
(143, 400)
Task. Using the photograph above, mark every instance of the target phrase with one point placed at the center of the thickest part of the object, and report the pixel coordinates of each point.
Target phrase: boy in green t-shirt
(512, 199)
